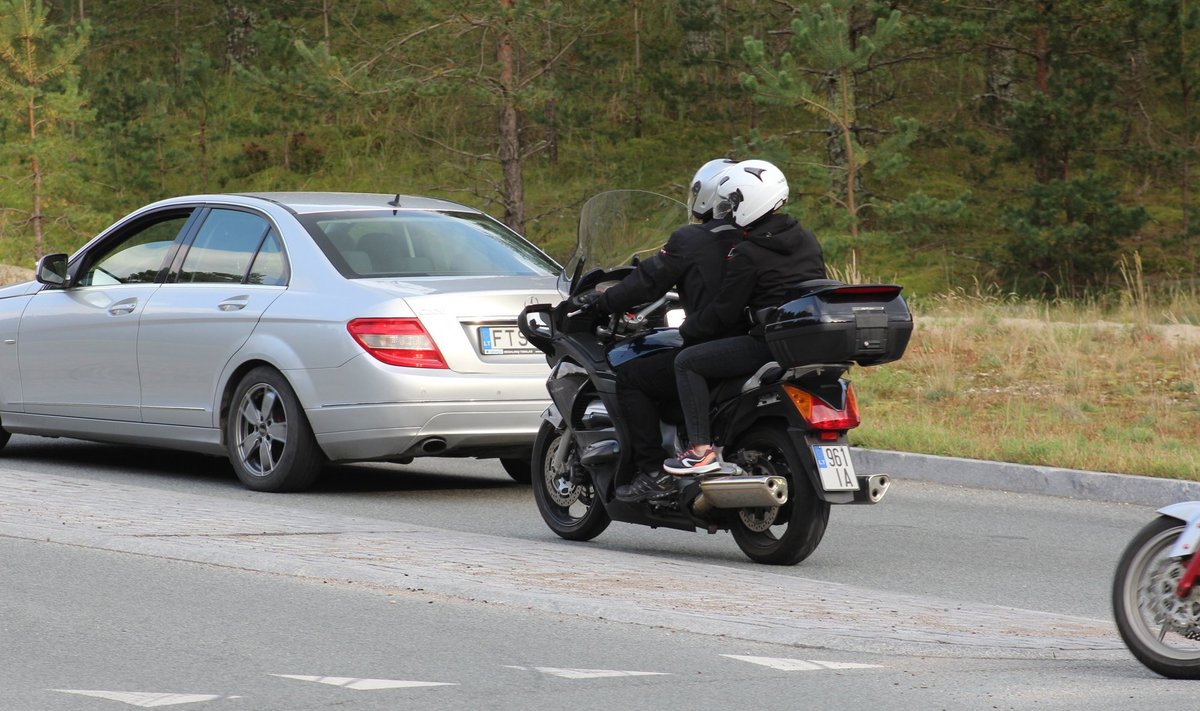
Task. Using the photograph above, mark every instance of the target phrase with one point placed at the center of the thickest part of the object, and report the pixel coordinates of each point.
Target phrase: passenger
(773, 253)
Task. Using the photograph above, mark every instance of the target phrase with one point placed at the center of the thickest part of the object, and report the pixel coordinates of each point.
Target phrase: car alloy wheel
(270, 443)
(262, 430)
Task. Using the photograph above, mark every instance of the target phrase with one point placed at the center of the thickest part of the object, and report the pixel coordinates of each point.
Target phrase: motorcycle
(782, 432)
(1155, 598)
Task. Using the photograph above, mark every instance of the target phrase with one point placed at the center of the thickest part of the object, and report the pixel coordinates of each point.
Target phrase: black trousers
(644, 387)
(713, 360)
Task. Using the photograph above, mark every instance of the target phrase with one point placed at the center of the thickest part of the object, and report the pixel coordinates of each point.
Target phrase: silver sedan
(284, 330)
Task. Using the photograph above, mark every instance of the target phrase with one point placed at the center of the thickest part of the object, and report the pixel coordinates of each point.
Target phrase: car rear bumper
(396, 430)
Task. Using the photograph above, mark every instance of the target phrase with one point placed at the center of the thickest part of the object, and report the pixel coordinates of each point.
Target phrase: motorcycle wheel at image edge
(1160, 628)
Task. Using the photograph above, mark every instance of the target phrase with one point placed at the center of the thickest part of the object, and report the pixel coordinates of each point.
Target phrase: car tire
(521, 470)
(4, 435)
(268, 438)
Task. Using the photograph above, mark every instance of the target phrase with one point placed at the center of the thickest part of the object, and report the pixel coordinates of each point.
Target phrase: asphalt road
(147, 578)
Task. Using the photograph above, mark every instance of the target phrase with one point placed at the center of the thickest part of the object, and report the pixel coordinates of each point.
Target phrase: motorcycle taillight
(819, 414)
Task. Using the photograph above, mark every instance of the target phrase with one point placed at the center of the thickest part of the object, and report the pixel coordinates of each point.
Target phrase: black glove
(586, 301)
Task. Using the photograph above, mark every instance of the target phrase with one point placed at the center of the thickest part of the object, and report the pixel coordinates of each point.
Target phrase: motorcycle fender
(1187, 542)
(553, 416)
(565, 381)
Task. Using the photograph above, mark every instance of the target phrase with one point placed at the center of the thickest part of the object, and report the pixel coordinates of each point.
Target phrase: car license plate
(835, 467)
(503, 340)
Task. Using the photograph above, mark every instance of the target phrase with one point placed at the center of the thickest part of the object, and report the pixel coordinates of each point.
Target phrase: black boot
(648, 486)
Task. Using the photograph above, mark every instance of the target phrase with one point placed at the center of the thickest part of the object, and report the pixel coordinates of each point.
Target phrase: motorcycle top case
(829, 322)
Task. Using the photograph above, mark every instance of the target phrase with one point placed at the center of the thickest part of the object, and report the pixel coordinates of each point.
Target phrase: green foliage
(1069, 233)
(1001, 145)
(39, 83)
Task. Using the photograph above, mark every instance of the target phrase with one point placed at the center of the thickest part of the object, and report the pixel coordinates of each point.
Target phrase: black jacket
(692, 262)
(771, 256)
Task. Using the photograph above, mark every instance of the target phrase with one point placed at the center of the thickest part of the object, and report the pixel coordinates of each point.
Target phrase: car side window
(269, 267)
(138, 257)
(224, 247)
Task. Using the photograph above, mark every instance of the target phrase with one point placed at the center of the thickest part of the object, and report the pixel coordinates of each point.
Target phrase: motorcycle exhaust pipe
(738, 492)
(871, 488)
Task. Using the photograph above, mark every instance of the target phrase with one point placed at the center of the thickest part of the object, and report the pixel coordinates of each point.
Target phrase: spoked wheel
(1160, 628)
(269, 441)
(571, 508)
(779, 535)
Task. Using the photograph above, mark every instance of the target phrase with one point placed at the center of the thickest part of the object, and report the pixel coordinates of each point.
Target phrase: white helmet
(750, 190)
(702, 195)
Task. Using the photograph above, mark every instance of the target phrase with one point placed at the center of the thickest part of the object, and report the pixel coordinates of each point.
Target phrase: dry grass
(1065, 384)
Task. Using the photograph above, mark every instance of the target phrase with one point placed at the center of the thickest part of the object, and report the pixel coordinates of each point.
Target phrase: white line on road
(782, 664)
(364, 684)
(142, 699)
(587, 673)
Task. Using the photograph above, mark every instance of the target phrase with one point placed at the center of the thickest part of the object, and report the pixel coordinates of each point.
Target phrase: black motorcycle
(782, 432)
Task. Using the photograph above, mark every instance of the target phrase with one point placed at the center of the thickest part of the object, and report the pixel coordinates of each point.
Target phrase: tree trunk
(35, 217)
(510, 138)
(844, 175)
(998, 84)
(637, 71)
(551, 113)
(1185, 88)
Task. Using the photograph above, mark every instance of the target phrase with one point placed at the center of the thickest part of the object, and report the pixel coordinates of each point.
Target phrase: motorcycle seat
(730, 388)
(767, 374)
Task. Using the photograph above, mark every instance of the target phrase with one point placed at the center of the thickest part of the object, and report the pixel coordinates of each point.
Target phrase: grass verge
(1113, 389)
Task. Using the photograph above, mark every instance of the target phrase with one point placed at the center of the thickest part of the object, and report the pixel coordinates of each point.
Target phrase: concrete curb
(1025, 479)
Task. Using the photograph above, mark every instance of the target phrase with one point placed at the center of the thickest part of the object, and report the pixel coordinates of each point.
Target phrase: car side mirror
(52, 270)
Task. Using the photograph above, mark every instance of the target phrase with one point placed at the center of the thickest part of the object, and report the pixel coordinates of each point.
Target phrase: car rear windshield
(412, 243)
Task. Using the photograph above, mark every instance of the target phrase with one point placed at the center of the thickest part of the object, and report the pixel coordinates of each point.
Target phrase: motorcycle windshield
(618, 225)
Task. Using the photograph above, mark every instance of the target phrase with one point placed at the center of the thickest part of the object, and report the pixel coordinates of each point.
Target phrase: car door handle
(123, 307)
(236, 303)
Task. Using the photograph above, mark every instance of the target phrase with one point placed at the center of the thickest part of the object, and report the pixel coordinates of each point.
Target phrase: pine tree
(39, 83)
(830, 47)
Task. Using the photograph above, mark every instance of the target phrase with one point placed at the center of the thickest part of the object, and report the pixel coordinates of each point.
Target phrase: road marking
(799, 664)
(364, 684)
(587, 673)
(143, 699)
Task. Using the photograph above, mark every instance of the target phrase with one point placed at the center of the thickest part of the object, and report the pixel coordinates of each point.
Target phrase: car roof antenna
(396, 202)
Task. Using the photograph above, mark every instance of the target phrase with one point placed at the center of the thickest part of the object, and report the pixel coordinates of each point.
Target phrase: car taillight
(820, 415)
(397, 341)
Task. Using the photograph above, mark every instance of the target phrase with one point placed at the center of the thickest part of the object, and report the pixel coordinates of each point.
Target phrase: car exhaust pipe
(433, 445)
(738, 492)
(871, 488)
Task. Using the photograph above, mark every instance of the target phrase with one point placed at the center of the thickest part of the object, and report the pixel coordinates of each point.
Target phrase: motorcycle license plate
(503, 340)
(835, 467)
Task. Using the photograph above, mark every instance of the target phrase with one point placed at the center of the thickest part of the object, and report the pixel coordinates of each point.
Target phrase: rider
(774, 252)
(692, 262)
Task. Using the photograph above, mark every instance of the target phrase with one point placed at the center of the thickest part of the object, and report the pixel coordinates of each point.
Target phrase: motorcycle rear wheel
(782, 535)
(572, 510)
(1162, 630)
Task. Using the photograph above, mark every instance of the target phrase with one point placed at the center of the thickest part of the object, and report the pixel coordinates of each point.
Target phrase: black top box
(825, 321)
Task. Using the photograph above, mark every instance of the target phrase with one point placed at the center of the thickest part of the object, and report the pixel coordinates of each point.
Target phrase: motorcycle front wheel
(570, 507)
(780, 535)
(1161, 629)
